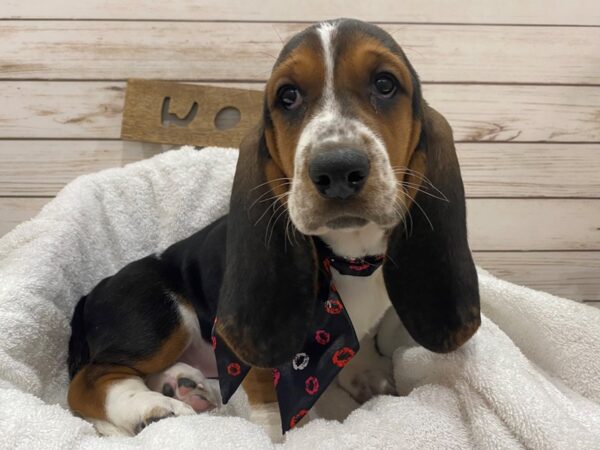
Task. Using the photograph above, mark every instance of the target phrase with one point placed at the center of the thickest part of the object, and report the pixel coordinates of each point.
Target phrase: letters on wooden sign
(180, 114)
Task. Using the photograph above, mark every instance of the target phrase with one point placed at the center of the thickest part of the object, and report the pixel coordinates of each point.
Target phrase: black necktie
(330, 345)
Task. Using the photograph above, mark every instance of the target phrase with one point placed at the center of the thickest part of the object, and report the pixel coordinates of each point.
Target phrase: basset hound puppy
(348, 161)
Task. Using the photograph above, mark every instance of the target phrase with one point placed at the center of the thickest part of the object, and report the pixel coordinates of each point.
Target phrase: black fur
(269, 288)
(127, 317)
(79, 351)
(429, 273)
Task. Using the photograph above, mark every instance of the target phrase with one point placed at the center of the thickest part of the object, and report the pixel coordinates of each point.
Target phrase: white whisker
(399, 210)
(418, 189)
(273, 227)
(419, 206)
(422, 177)
(272, 205)
(270, 181)
(279, 196)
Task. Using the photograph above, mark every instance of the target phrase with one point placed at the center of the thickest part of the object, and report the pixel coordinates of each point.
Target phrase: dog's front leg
(368, 374)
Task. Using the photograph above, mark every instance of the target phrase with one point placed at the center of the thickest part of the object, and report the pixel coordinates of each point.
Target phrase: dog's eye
(289, 97)
(385, 85)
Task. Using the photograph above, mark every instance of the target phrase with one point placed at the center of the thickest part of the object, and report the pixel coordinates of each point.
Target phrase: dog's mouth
(347, 222)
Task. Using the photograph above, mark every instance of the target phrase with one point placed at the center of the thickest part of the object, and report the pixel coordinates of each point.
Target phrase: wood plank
(246, 51)
(42, 168)
(519, 113)
(93, 110)
(582, 12)
(571, 275)
(494, 224)
(530, 170)
(61, 110)
(17, 210)
(526, 224)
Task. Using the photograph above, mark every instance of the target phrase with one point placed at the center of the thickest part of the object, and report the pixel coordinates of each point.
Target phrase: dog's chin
(347, 223)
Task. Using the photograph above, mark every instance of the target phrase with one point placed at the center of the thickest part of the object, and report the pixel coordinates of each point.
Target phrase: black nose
(339, 173)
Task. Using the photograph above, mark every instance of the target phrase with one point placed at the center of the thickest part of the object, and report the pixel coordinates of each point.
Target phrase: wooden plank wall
(518, 81)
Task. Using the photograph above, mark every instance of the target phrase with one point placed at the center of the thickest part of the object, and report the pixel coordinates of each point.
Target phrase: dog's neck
(367, 240)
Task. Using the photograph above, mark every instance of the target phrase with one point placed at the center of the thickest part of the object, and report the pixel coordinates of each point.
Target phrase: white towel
(529, 378)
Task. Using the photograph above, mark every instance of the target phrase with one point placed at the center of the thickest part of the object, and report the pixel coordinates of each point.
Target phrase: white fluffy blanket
(529, 378)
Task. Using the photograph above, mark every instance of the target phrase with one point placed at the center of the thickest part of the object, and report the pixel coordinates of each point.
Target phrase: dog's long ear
(429, 273)
(269, 287)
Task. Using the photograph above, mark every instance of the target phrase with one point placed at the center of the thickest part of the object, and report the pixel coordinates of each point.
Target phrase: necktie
(330, 345)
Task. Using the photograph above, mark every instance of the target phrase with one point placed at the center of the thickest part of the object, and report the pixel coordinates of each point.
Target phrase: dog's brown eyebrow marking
(303, 66)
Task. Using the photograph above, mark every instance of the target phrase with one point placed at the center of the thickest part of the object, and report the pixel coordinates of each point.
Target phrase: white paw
(131, 407)
(370, 383)
(368, 378)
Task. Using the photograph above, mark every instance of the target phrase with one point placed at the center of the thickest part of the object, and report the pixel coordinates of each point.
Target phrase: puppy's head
(342, 119)
(345, 141)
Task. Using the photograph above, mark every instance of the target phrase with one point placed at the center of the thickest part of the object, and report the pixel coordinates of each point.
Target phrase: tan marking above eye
(304, 68)
(367, 57)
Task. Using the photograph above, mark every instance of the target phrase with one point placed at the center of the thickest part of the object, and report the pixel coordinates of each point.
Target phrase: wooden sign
(177, 113)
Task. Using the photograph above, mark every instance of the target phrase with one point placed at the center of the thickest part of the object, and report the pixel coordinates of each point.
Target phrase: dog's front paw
(369, 374)
(364, 385)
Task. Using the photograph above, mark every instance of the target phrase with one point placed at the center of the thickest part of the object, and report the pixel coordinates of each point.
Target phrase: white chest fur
(365, 299)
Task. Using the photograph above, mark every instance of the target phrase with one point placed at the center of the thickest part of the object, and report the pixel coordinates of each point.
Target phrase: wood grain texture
(178, 113)
(61, 110)
(17, 210)
(582, 12)
(566, 274)
(530, 170)
(246, 51)
(523, 224)
(93, 110)
(41, 168)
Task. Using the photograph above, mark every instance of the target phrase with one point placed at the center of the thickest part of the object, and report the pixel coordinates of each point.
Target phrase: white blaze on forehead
(319, 126)
(327, 114)
(326, 32)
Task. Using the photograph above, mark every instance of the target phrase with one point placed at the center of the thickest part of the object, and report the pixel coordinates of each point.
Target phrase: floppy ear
(269, 287)
(429, 274)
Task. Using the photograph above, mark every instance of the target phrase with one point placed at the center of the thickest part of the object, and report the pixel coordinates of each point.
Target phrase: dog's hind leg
(132, 325)
(118, 394)
(120, 398)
